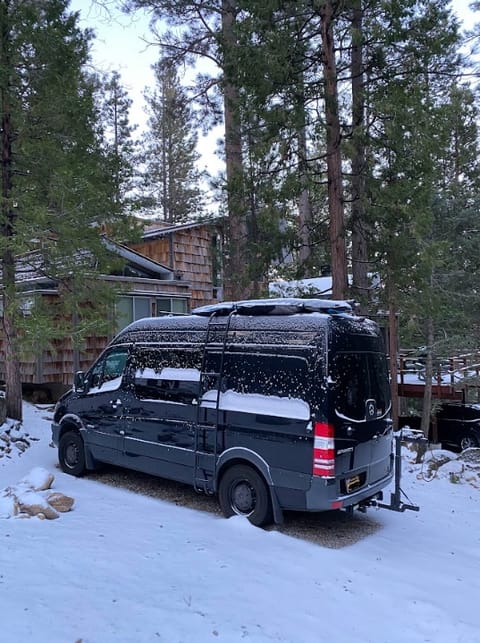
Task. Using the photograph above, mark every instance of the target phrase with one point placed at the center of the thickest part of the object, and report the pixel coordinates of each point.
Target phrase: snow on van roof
(280, 306)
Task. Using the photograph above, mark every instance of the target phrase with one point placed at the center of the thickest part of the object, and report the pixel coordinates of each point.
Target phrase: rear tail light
(324, 450)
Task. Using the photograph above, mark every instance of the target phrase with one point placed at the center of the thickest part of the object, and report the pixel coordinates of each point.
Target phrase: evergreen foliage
(209, 32)
(403, 151)
(58, 190)
(171, 177)
(119, 145)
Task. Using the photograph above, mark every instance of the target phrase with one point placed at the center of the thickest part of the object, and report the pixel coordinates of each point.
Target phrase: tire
(468, 441)
(71, 454)
(243, 492)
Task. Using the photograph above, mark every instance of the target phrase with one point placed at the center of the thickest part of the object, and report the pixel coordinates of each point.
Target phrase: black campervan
(270, 404)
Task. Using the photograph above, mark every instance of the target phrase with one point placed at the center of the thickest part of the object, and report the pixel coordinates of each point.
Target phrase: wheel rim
(467, 443)
(72, 455)
(243, 498)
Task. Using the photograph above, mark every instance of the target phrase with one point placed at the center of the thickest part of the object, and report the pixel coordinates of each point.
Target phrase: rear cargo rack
(396, 502)
(283, 306)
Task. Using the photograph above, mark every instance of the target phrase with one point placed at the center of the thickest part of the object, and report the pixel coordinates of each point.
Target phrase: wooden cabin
(191, 250)
(173, 269)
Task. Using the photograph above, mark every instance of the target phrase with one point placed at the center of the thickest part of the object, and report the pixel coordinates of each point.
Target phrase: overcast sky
(122, 44)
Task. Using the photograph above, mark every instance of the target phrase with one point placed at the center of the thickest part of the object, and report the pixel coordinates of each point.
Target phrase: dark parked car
(458, 425)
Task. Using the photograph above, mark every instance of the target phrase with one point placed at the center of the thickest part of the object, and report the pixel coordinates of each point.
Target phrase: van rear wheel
(71, 453)
(242, 491)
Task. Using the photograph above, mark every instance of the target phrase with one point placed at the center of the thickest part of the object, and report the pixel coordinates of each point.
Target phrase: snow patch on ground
(127, 568)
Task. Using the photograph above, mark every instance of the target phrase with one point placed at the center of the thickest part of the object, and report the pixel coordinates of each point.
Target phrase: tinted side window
(167, 375)
(108, 371)
(469, 412)
(451, 411)
(279, 375)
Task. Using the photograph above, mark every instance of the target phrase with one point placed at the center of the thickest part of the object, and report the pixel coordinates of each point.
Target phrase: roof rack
(281, 306)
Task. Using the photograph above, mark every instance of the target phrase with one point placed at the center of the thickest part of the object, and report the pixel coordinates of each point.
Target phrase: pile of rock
(457, 468)
(13, 440)
(33, 496)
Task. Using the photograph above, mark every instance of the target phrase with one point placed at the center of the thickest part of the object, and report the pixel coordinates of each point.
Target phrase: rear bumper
(323, 494)
(301, 492)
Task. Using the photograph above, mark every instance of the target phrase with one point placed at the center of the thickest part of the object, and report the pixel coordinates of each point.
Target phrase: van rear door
(359, 410)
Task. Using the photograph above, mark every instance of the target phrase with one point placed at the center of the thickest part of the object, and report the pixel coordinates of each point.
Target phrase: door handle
(115, 404)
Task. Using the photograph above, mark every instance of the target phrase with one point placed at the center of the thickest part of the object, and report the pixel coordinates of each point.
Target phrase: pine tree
(413, 131)
(119, 146)
(379, 139)
(171, 176)
(209, 32)
(56, 186)
(278, 103)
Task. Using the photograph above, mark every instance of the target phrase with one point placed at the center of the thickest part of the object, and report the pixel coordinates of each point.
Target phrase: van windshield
(358, 379)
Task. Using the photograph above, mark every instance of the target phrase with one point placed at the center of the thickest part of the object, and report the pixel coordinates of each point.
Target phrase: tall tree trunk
(116, 146)
(393, 348)
(7, 228)
(13, 383)
(237, 284)
(166, 169)
(427, 394)
(304, 202)
(334, 161)
(360, 285)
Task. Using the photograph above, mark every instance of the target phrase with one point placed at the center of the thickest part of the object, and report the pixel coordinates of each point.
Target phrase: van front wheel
(71, 453)
(243, 492)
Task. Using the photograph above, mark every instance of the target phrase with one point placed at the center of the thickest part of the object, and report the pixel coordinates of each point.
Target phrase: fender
(247, 455)
(72, 418)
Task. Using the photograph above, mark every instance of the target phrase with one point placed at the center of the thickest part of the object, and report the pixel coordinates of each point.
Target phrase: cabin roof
(29, 267)
(138, 259)
(157, 230)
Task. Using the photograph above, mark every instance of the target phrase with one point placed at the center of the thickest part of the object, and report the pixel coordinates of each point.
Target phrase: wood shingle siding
(188, 251)
(180, 260)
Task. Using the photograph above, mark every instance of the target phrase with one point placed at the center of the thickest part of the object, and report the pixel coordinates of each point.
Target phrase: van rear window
(358, 378)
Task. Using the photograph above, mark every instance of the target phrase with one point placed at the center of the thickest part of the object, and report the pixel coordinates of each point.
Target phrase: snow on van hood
(285, 407)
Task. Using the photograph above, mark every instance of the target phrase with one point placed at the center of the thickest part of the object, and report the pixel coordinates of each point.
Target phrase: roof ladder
(206, 440)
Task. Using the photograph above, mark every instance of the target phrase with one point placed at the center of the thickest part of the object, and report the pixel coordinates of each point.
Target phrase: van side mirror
(79, 383)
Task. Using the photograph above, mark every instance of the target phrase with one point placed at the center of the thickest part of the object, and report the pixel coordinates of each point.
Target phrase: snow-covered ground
(122, 567)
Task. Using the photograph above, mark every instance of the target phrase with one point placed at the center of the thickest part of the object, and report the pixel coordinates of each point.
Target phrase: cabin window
(129, 309)
(216, 261)
(171, 305)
